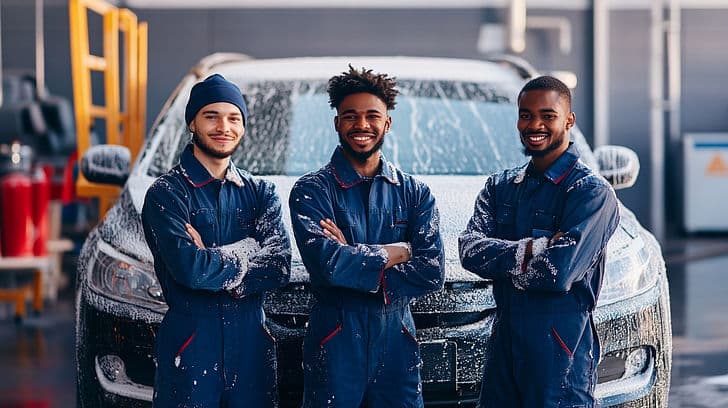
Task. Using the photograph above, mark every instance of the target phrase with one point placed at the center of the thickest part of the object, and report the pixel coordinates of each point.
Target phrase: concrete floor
(37, 368)
(698, 275)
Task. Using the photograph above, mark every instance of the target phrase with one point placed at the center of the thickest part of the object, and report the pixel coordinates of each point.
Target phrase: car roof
(502, 73)
(451, 69)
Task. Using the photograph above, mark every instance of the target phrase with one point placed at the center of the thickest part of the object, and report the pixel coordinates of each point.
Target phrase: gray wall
(179, 38)
(629, 107)
(704, 103)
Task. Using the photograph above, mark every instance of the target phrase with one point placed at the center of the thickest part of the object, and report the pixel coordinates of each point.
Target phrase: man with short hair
(369, 237)
(539, 232)
(218, 242)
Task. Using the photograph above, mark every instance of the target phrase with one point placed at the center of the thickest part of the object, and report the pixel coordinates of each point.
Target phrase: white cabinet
(705, 178)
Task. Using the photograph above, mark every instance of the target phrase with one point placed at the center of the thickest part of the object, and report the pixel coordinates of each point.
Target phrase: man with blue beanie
(218, 241)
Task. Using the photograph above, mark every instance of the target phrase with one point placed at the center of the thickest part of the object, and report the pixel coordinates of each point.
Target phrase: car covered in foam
(454, 124)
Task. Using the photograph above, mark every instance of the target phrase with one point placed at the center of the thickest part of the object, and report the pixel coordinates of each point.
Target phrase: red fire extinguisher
(16, 233)
(41, 196)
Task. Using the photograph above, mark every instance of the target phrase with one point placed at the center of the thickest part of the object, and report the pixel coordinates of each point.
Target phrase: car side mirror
(106, 164)
(618, 164)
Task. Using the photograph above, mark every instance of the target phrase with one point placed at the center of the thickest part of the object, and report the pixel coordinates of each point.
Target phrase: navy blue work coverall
(360, 347)
(213, 348)
(544, 348)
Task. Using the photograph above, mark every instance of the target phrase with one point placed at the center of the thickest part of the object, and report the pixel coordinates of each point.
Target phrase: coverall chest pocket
(543, 224)
(347, 224)
(244, 223)
(400, 224)
(505, 218)
(203, 220)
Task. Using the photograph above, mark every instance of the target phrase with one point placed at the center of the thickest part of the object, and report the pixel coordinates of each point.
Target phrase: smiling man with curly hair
(369, 237)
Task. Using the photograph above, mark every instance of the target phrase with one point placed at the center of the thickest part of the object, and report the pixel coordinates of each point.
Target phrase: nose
(361, 122)
(223, 125)
(535, 124)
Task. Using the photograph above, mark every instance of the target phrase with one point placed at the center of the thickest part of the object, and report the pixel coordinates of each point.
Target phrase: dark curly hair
(547, 83)
(363, 81)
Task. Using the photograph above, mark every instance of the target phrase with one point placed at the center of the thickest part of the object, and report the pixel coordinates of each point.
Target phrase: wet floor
(699, 299)
(37, 356)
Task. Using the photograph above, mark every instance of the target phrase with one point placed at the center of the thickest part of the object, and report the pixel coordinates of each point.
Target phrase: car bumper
(116, 354)
(639, 327)
(636, 341)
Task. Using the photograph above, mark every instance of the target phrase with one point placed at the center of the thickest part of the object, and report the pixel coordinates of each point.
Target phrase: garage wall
(629, 106)
(447, 33)
(704, 102)
(179, 38)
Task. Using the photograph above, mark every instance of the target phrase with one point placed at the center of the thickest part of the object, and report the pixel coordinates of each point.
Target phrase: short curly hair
(547, 83)
(362, 81)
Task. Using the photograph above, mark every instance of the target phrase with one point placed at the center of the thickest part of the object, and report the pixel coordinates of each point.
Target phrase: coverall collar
(558, 170)
(347, 177)
(197, 175)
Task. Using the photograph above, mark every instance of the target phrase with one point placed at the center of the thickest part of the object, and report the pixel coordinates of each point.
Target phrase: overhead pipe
(517, 26)
(560, 24)
(39, 51)
(657, 125)
(674, 70)
(601, 72)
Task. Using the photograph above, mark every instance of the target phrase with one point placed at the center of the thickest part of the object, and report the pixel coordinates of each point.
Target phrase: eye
(524, 116)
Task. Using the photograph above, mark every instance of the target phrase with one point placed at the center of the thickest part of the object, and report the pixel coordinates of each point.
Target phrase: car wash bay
(37, 354)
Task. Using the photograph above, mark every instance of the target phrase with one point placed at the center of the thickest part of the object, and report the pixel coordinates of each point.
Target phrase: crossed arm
(252, 265)
(397, 253)
(264, 260)
(333, 262)
(589, 218)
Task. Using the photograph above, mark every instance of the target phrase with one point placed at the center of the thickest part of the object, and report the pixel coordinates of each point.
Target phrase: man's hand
(332, 231)
(528, 253)
(556, 236)
(399, 252)
(196, 238)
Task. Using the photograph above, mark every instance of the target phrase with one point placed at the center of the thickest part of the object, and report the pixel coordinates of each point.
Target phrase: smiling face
(361, 123)
(218, 129)
(544, 120)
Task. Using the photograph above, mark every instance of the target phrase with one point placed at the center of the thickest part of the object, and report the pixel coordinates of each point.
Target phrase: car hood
(455, 197)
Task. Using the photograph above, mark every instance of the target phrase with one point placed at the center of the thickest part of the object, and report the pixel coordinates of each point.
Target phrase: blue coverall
(544, 348)
(213, 348)
(360, 347)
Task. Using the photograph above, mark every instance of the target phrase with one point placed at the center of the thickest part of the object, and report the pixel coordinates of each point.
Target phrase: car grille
(459, 304)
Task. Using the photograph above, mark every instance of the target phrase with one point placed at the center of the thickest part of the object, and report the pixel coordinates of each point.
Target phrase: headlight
(631, 270)
(123, 278)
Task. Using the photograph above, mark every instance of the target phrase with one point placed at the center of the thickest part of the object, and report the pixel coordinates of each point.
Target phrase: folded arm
(329, 261)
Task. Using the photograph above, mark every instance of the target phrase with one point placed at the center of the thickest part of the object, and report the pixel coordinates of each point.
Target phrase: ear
(336, 123)
(387, 124)
(191, 127)
(570, 120)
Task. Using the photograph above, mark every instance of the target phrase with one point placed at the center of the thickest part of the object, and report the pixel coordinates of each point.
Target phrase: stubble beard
(360, 156)
(541, 153)
(210, 151)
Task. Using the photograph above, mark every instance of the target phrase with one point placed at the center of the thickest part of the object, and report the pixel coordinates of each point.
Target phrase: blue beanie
(213, 89)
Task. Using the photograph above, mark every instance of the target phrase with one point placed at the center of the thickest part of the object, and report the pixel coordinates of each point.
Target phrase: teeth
(536, 138)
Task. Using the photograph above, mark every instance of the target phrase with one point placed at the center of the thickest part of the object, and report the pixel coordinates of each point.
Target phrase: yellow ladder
(125, 119)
